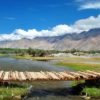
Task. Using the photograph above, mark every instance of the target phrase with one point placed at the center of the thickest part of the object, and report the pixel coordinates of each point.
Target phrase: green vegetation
(80, 66)
(42, 53)
(8, 92)
(82, 51)
(11, 91)
(29, 51)
(2, 55)
(95, 92)
(92, 91)
(28, 57)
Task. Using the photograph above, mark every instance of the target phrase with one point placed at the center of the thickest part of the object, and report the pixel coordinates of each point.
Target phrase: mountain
(89, 40)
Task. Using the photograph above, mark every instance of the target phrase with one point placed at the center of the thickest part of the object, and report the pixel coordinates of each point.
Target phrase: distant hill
(89, 40)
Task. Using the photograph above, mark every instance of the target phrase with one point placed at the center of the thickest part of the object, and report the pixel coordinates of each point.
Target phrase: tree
(29, 51)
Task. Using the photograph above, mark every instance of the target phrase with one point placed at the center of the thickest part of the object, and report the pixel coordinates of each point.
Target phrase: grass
(34, 58)
(69, 59)
(91, 91)
(2, 54)
(80, 66)
(11, 91)
(95, 92)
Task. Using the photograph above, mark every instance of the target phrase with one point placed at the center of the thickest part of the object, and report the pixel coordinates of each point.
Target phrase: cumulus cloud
(89, 4)
(87, 24)
(95, 5)
(79, 26)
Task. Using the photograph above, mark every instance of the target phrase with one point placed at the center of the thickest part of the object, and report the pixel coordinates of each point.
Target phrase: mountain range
(87, 40)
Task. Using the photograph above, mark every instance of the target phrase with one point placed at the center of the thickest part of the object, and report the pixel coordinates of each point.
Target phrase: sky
(31, 18)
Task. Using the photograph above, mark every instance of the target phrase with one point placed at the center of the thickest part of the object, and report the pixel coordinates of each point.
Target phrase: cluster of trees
(38, 52)
(83, 51)
(71, 51)
(30, 51)
(94, 51)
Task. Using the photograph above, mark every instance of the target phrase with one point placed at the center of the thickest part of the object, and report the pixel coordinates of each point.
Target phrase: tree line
(39, 52)
(29, 51)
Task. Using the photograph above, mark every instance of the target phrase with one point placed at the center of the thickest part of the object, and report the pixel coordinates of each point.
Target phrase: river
(41, 90)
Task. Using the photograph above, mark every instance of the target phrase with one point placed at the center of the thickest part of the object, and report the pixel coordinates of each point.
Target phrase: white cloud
(79, 26)
(90, 5)
(87, 24)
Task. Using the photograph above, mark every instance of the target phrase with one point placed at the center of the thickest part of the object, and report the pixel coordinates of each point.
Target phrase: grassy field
(80, 66)
(66, 59)
(34, 58)
(1, 55)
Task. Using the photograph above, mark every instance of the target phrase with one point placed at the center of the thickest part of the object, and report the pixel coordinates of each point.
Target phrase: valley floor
(78, 63)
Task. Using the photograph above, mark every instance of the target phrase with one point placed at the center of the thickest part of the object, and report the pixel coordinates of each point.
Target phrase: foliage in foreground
(8, 92)
(95, 92)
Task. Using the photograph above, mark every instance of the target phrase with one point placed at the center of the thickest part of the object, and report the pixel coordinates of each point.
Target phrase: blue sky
(45, 15)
